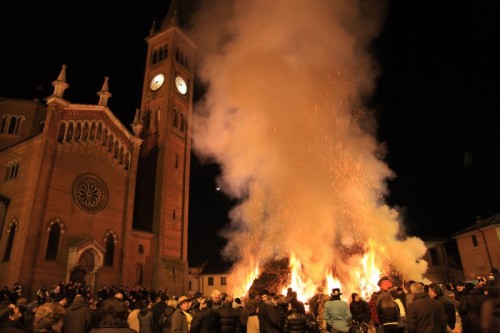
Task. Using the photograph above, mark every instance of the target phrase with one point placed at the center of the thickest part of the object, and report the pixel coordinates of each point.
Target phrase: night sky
(436, 99)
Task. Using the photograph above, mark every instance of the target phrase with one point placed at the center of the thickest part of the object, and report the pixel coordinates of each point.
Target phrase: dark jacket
(77, 318)
(112, 329)
(360, 311)
(295, 322)
(179, 322)
(470, 310)
(449, 309)
(145, 321)
(388, 315)
(269, 318)
(229, 319)
(205, 321)
(425, 315)
(158, 309)
(166, 320)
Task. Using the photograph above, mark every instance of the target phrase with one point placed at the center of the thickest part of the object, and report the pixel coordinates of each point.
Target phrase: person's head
(417, 288)
(435, 291)
(216, 296)
(119, 296)
(113, 311)
(264, 294)
(229, 299)
(172, 303)
(184, 303)
(336, 294)
(460, 286)
(49, 316)
(9, 312)
(205, 303)
(355, 297)
(385, 300)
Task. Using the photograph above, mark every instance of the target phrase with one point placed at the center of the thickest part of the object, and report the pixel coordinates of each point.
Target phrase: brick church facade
(84, 197)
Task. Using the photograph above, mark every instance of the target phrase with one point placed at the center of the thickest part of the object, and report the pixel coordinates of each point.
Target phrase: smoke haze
(283, 116)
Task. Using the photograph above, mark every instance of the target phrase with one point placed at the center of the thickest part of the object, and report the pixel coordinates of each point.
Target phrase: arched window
(5, 121)
(53, 244)
(61, 132)
(183, 123)
(176, 121)
(139, 272)
(110, 250)
(155, 57)
(10, 241)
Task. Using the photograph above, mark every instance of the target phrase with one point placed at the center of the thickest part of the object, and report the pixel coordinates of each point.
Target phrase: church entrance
(84, 261)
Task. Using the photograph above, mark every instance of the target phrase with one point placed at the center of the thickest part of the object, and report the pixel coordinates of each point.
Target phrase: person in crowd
(402, 310)
(43, 293)
(437, 293)
(9, 318)
(490, 309)
(206, 320)
(249, 318)
(181, 319)
(145, 317)
(296, 303)
(133, 317)
(49, 317)
(165, 321)
(111, 317)
(314, 302)
(158, 310)
(78, 317)
(337, 313)
(459, 290)
(469, 309)
(102, 294)
(295, 321)
(216, 298)
(388, 312)
(360, 310)
(424, 314)
(229, 317)
(268, 314)
(374, 320)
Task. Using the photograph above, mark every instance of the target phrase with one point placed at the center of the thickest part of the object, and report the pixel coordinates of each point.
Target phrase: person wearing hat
(181, 319)
(337, 313)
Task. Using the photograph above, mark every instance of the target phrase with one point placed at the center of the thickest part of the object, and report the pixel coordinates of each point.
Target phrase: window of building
(12, 233)
(474, 241)
(434, 257)
(222, 280)
(12, 169)
(53, 244)
(139, 273)
(140, 248)
(210, 281)
(110, 250)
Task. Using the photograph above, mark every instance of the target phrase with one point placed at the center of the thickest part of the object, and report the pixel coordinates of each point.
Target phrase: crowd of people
(70, 308)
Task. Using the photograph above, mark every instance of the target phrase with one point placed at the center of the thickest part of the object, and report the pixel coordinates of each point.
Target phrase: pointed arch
(53, 243)
(12, 229)
(139, 274)
(110, 240)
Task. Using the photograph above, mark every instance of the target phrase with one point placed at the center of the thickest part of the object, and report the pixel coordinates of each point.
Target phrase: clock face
(181, 85)
(157, 82)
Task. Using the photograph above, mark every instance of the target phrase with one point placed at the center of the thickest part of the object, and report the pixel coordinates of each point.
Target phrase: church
(86, 197)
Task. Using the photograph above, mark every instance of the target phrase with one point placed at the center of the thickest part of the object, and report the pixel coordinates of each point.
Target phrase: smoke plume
(283, 115)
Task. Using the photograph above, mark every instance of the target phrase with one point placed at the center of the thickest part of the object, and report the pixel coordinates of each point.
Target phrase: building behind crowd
(84, 197)
(479, 246)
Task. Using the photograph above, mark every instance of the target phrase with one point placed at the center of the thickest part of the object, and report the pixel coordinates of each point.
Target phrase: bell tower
(163, 122)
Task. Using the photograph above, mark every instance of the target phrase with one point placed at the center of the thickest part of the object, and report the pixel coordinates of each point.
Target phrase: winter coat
(388, 316)
(295, 322)
(449, 309)
(205, 321)
(77, 318)
(145, 321)
(338, 315)
(425, 315)
(372, 304)
(11, 327)
(253, 324)
(360, 311)
(229, 319)
(179, 322)
(269, 318)
(133, 320)
(470, 310)
(165, 320)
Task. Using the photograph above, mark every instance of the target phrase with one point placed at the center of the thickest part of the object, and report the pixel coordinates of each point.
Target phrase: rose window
(90, 193)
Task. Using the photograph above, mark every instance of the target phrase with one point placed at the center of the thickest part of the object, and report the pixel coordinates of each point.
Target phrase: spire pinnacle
(104, 93)
(60, 84)
(137, 125)
(173, 15)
